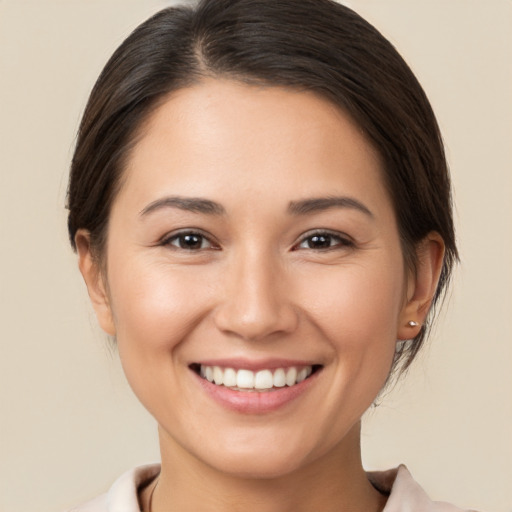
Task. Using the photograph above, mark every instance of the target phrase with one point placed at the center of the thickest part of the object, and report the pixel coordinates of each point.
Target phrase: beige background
(69, 425)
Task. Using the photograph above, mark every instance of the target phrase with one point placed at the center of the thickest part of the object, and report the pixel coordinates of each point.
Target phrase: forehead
(221, 136)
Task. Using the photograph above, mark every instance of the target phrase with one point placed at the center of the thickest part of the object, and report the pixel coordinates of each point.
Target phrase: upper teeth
(262, 379)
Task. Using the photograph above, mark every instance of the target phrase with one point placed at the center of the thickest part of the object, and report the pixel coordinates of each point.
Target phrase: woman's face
(253, 242)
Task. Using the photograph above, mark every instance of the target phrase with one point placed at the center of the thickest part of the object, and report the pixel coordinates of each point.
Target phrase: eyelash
(181, 236)
(333, 239)
(341, 241)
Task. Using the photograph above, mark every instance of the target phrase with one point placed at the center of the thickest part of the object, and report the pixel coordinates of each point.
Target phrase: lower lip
(256, 402)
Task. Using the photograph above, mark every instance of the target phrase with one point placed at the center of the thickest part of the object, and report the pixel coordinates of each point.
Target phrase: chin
(264, 457)
(261, 466)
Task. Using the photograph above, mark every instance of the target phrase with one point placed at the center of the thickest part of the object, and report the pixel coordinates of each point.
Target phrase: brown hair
(313, 45)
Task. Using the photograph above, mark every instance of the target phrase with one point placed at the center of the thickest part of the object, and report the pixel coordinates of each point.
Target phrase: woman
(261, 208)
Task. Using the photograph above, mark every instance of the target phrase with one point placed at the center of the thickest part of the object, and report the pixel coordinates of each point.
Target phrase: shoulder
(123, 495)
(405, 494)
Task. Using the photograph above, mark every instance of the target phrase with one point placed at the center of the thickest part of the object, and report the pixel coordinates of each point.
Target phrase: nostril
(257, 321)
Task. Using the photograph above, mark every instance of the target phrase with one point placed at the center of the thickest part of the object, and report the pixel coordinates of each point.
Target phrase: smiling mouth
(260, 381)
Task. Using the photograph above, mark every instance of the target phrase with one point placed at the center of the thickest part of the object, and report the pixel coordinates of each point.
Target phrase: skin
(257, 287)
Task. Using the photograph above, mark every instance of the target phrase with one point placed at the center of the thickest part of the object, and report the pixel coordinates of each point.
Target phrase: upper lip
(255, 365)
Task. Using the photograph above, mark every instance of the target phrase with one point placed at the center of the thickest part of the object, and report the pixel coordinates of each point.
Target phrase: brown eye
(323, 241)
(319, 241)
(189, 241)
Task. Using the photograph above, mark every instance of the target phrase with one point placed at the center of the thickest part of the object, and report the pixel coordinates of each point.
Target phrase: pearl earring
(412, 323)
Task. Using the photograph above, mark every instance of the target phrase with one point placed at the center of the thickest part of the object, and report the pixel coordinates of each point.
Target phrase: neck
(334, 482)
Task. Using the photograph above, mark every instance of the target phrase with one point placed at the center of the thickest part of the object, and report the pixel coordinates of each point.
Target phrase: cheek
(356, 301)
(357, 312)
(156, 306)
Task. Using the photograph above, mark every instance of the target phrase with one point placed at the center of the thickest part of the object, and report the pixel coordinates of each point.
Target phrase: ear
(422, 285)
(95, 282)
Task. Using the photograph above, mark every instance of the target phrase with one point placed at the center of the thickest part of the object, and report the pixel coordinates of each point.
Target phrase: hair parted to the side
(312, 45)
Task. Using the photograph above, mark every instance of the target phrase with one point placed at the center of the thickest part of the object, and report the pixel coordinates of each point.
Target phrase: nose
(256, 300)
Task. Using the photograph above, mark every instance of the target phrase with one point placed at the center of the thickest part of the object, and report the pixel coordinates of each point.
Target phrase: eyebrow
(302, 207)
(190, 204)
(319, 204)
